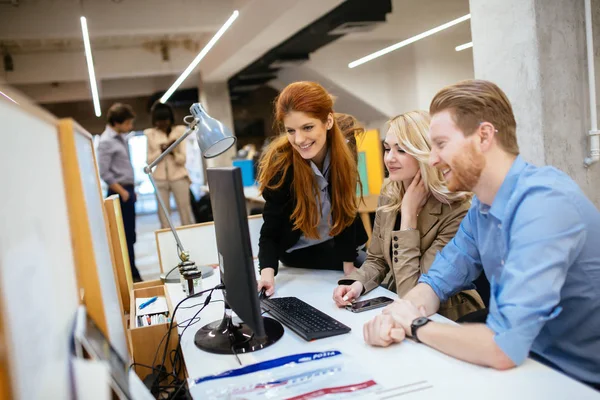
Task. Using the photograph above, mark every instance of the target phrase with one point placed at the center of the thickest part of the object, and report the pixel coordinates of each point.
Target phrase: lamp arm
(148, 168)
(183, 255)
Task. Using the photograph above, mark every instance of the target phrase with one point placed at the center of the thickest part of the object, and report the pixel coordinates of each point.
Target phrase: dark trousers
(128, 212)
(319, 256)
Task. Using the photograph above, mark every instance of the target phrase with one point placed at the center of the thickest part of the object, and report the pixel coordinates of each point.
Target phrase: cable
(168, 334)
(236, 354)
(191, 322)
(149, 367)
(169, 273)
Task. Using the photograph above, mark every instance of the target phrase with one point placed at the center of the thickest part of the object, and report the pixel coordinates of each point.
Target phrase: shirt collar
(506, 189)
(113, 134)
(322, 177)
(109, 131)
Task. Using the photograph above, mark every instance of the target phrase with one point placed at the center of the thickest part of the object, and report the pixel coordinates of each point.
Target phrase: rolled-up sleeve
(105, 154)
(457, 265)
(543, 244)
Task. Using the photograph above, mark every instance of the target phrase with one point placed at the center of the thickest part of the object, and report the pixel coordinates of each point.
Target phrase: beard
(466, 169)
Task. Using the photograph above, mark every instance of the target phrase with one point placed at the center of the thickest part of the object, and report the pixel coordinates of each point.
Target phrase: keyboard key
(302, 318)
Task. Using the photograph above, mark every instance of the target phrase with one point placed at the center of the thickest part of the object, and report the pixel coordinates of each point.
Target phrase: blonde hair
(411, 130)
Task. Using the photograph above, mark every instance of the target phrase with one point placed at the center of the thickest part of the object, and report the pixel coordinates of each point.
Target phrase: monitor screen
(233, 243)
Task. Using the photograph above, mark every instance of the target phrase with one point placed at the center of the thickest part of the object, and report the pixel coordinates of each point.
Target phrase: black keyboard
(303, 318)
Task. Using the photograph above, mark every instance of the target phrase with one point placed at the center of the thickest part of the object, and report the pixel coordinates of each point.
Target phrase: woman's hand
(414, 199)
(349, 268)
(267, 281)
(343, 295)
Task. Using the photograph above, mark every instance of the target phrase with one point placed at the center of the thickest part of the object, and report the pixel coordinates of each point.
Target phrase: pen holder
(146, 340)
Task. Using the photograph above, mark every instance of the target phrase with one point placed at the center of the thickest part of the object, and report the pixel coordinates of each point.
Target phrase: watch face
(420, 321)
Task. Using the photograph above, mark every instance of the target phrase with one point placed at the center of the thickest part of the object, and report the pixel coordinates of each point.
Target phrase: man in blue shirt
(532, 232)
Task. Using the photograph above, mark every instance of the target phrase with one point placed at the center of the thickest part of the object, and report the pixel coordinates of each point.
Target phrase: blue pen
(148, 302)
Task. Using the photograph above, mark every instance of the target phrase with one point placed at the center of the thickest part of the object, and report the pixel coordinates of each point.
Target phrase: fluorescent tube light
(90, 65)
(464, 46)
(199, 57)
(408, 41)
(8, 97)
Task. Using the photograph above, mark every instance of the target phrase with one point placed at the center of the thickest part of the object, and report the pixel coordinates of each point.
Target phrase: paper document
(325, 375)
(159, 306)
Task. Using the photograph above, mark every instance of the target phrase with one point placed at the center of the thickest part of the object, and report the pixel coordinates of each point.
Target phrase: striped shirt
(114, 159)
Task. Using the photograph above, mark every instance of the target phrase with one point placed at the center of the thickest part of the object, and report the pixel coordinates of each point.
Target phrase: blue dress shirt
(539, 246)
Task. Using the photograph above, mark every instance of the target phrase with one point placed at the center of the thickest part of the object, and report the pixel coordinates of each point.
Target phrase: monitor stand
(229, 337)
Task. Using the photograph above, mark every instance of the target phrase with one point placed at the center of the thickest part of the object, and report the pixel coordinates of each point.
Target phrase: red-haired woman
(308, 177)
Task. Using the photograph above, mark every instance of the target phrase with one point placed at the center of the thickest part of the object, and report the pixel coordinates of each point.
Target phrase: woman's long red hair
(312, 99)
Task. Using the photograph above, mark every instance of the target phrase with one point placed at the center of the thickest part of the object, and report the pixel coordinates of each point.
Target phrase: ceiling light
(8, 97)
(408, 41)
(464, 46)
(199, 57)
(90, 65)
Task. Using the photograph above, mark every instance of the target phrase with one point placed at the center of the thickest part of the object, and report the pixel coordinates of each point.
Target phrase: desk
(397, 365)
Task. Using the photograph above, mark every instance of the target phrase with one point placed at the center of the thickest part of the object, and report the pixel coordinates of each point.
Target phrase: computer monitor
(89, 339)
(253, 332)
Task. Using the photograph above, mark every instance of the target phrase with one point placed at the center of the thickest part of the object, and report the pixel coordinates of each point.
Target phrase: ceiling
(350, 16)
(135, 41)
(141, 46)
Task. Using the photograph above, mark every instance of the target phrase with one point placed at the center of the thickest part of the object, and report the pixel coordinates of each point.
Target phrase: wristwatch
(416, 324)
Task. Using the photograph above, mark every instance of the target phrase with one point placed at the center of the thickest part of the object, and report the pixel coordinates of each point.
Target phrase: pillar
(214, 96)
(535, 50)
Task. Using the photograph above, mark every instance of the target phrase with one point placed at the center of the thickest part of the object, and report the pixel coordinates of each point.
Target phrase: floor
(146, 255)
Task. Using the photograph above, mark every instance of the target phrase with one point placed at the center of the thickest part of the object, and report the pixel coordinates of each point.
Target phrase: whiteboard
(38, 290)
(102, 252)
(200, 241)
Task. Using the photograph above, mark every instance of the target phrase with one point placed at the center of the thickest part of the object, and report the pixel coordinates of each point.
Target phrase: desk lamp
(214, 139)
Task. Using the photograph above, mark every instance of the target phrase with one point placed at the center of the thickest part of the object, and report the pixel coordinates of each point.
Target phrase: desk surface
(400, 364)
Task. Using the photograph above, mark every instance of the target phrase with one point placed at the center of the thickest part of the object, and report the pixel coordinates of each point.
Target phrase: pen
(147, 303)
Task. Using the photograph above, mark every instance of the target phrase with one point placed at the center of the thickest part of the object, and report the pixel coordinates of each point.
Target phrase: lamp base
(225, 337)
(173, 277)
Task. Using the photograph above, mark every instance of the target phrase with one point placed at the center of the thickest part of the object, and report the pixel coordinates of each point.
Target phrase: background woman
(170, 174)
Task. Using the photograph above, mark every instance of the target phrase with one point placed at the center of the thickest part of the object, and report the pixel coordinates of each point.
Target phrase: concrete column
(214, 96)
(535, 50)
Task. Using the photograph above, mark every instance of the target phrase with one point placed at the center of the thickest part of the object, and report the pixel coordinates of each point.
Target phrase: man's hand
(383, 331)
(344, 294)
(124, 196)
(267, 281)
(404, 312)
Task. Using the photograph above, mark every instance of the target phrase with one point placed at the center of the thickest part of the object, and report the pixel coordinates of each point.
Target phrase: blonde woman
(417, 216)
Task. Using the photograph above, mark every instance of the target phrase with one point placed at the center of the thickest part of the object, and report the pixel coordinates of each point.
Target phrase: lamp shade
(213, 137)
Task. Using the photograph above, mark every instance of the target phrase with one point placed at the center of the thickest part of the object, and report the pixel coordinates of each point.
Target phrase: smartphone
(370, 304)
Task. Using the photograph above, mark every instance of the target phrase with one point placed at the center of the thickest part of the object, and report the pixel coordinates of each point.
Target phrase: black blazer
(277, 233)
